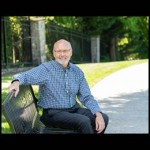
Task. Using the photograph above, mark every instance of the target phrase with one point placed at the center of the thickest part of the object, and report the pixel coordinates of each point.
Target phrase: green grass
(7, 78)
(94, 72)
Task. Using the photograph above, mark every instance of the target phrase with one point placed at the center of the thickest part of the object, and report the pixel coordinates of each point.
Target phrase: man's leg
(68, 120)
(89, 114)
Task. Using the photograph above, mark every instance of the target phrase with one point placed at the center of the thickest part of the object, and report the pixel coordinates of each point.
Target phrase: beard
(64, 62)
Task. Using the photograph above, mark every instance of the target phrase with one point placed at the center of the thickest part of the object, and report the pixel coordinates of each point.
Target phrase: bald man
(60, 83)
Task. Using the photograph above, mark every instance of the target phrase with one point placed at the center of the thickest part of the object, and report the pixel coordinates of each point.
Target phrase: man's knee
(106, 118)
(85, 125)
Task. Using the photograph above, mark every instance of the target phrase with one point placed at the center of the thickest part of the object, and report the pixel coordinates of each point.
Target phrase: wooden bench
(22, 114)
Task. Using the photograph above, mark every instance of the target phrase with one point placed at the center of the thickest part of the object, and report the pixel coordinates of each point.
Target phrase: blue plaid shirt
(58, 87)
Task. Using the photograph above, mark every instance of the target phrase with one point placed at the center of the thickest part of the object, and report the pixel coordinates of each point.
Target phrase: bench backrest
(20, 111)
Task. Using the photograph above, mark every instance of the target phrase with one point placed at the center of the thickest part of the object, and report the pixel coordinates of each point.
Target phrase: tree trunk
(113, 49)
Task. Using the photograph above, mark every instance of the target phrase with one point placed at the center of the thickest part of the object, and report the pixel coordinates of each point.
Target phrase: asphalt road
(123, 95)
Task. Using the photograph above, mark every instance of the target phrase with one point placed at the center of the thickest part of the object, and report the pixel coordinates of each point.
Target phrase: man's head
(62, 52)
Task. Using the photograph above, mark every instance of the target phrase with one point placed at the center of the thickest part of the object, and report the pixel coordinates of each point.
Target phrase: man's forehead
(62, 45)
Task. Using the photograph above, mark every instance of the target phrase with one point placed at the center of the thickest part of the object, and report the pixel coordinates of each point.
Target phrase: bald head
(63, 44)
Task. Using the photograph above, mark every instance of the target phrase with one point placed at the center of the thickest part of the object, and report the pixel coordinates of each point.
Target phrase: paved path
(123, 95)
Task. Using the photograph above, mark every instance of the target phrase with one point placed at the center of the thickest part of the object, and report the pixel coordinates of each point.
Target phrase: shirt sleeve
(85, 96)
(34, 76)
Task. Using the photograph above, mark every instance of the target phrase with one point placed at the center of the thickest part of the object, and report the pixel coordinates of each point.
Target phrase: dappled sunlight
(35, 88)
(123, 41)
(5, 85)
(110, 111)
(128, 113)
(5, 128)
(5, 125)
(112, 102)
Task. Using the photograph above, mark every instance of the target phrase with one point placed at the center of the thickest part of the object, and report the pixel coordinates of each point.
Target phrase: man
(60, 82)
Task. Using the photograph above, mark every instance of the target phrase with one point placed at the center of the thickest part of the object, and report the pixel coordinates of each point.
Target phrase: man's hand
(14, 87)
(100, 124)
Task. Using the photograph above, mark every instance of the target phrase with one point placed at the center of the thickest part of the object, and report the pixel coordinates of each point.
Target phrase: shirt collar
(60, 66)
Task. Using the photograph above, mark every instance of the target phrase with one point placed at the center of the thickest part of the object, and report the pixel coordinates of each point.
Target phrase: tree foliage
(132, 28)
(129, 33)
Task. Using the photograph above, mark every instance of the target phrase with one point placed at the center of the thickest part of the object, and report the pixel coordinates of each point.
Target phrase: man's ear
(71, 52)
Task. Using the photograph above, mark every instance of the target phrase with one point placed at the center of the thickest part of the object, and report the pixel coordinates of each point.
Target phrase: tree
(108, 27)
(123, 37)
(136, 32)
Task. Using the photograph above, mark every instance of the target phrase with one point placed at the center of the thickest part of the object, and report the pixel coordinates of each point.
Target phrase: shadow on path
(127, 113)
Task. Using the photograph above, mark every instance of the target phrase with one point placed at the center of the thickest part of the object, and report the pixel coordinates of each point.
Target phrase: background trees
(121, 37)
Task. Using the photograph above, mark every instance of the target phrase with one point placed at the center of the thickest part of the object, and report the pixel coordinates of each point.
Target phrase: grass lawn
(94, 72)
